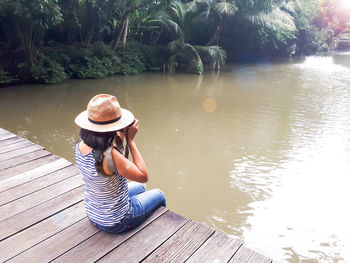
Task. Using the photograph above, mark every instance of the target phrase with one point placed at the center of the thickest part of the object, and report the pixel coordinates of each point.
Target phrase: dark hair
(99, 141)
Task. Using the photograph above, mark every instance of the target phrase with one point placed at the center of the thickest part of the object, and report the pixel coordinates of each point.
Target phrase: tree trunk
(27, 42)
(118, 35)
(215, 37)
(89, 38)
(126, 27)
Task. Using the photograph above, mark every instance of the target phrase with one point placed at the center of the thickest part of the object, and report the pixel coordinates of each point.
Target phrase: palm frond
(196, 64)
(172, 62)
(177, 12)
(292, 6)
(215, 54)
(276, 19)
(225, 8)
(298, 3)
(192, 6)
(171, 26)
(176, 44)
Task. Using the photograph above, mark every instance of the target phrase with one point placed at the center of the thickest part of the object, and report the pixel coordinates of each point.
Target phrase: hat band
(104, 122)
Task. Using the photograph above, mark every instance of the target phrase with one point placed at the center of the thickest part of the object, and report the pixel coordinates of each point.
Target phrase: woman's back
(105, 197)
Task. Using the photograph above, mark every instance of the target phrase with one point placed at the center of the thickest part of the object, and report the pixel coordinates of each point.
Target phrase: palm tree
(177, 21)
(279, 17)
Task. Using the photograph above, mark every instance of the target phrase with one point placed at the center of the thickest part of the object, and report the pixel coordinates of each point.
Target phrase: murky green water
(261, 151)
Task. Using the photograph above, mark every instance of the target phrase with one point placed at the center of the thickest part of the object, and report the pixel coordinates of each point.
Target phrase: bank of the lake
(260, 151)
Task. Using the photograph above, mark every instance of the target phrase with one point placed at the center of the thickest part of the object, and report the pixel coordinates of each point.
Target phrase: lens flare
(345, 4)
(209, 105)
(336, 13)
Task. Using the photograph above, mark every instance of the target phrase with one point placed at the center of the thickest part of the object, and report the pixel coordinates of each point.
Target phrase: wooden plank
(41, 170)
(40, 232)
(11, 141)
(7, 136)
(19, 152)
(258, 258)
(218, 248)
(15, 146)
(226, 252)
(242, 255)
(35, 185)
(147, 240)
(58, 244)
(2, 131)
(23, 167)
(101, 243)
(66, 239)
(19, 205)
(182, 244)
(38, 213)
(21, 159)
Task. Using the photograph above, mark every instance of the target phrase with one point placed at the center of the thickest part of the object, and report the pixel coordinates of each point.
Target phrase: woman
(112, 204)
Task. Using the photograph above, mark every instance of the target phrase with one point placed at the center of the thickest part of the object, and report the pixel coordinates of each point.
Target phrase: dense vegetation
(47, 41)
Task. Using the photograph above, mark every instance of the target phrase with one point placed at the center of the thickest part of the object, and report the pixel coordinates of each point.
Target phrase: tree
(122, 10)
(31, 18)
(178, 21)
(333, 20)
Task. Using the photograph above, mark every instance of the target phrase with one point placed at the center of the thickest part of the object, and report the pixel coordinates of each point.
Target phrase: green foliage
(47, 71)
(151, 58)
(308, 37)
(92, 63)
(212, 54)
(91, 39)
(41, 13)
(178, 21)
(31, 19)
(6, 78)
(277, 19)
(225, 8)
(136, 58)
(131, 59)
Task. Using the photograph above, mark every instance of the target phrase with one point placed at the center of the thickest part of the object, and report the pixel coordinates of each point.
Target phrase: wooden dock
(43, 219)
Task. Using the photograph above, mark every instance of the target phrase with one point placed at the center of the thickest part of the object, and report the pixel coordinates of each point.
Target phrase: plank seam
(212, 233)
(44, 202)
(75, 246)
(45, 239)
(144, 226)
(16, 142)
(40, 189)
(235, 252)
(4, 160)
(48, 153)
(187, 222)
(20, 147)
(70, 165)
(6, 138)
(39, 220)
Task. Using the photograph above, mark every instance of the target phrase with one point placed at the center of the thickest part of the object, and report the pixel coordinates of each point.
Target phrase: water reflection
(308, 207)
(261, 151)
(342, 59)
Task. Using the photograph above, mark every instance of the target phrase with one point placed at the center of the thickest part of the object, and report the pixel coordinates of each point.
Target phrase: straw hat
(104, 114)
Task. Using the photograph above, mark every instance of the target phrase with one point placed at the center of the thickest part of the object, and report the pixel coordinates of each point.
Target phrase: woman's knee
(135, 188)
(161, 196)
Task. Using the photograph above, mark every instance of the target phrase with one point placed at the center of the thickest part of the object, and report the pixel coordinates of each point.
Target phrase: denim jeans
(141, 205)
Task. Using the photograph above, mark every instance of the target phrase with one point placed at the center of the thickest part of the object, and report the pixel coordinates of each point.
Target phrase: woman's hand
(136, 170)
(132, 131)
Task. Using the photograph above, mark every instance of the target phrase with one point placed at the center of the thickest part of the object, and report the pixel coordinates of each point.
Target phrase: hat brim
(83, 122)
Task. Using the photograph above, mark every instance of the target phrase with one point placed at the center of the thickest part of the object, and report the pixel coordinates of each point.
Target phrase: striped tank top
(106, 198)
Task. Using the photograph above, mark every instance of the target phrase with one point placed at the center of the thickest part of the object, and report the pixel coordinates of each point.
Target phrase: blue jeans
(141, 205)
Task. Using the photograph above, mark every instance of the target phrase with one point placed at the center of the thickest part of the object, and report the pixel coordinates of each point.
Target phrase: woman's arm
(136, 170)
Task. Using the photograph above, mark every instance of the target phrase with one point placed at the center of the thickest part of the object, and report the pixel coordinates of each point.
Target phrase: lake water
(260, 151)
